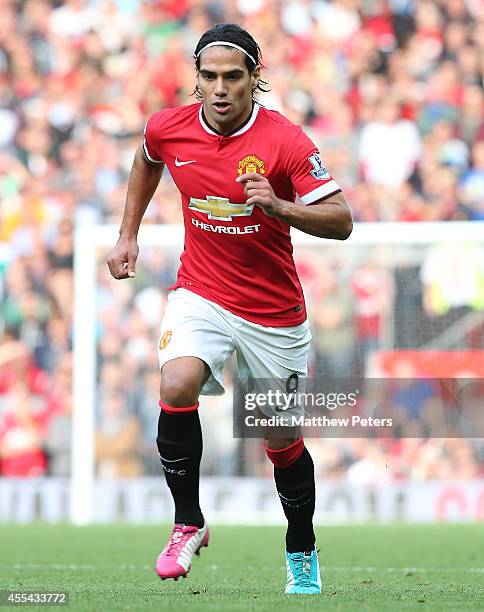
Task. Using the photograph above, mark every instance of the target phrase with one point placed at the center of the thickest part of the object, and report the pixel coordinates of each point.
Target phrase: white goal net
(400, 301)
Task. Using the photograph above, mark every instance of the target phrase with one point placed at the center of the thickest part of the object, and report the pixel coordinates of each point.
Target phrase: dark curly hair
(232, 32)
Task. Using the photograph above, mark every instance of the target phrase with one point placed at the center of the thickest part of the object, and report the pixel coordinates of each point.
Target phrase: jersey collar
(247, 125)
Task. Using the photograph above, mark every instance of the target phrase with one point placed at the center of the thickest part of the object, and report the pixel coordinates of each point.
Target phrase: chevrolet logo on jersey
(220, 208)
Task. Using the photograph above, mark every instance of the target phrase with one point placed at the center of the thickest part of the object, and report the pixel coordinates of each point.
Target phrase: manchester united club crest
(165, 339)
(251, 163)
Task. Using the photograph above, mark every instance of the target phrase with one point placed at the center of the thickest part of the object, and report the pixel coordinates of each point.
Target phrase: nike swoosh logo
(293, 499)
(182, 163)
(173, 460)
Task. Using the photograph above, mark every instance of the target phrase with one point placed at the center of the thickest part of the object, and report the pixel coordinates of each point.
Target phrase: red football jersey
(234, 254)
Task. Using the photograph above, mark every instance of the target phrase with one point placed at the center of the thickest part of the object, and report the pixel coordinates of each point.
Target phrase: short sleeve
(309, 177)
(152, 139)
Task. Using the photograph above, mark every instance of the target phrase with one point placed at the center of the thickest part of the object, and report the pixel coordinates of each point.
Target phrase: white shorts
(194, 326)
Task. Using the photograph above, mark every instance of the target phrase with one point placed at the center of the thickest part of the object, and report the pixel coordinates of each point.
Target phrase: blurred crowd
(390, 90)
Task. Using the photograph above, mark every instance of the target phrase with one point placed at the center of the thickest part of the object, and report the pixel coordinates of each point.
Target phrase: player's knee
(280, 443)
(177, 389)
(283, 452)
(182, 380)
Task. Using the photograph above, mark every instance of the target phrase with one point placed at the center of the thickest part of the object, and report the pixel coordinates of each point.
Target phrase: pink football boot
(175, 559)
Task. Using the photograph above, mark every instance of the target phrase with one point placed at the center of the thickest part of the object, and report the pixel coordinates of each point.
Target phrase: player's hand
(122, 259)
(259, 192)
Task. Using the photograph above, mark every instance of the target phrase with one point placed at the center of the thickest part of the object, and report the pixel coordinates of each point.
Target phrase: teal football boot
(303, 577)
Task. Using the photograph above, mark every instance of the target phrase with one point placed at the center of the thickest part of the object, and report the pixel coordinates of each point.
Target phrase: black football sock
(179, 443)
(295, 486)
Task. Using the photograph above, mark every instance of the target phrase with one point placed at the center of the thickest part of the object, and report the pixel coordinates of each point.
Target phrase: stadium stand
(390, 90)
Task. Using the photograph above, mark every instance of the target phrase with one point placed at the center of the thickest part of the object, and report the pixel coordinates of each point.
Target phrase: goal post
(89, 239)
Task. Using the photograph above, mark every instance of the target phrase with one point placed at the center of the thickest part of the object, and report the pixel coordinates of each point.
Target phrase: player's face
(226, 86)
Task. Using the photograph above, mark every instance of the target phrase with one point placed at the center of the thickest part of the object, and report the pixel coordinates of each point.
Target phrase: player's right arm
(143, 181)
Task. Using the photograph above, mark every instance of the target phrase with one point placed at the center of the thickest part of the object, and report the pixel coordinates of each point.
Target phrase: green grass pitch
(438, 567)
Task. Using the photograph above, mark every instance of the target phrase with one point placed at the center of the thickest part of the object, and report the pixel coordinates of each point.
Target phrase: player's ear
(198, 91)
(255, 76)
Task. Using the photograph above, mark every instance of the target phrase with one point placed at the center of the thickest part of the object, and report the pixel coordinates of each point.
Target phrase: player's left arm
(328, 218)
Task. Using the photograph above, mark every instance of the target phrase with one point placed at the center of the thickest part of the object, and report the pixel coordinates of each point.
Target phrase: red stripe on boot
(284, 457)
(177, 409)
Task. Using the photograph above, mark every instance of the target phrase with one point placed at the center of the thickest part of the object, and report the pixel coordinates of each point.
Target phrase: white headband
(226, 44)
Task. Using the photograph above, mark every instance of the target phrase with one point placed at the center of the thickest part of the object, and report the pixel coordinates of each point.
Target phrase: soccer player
(238, 167)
